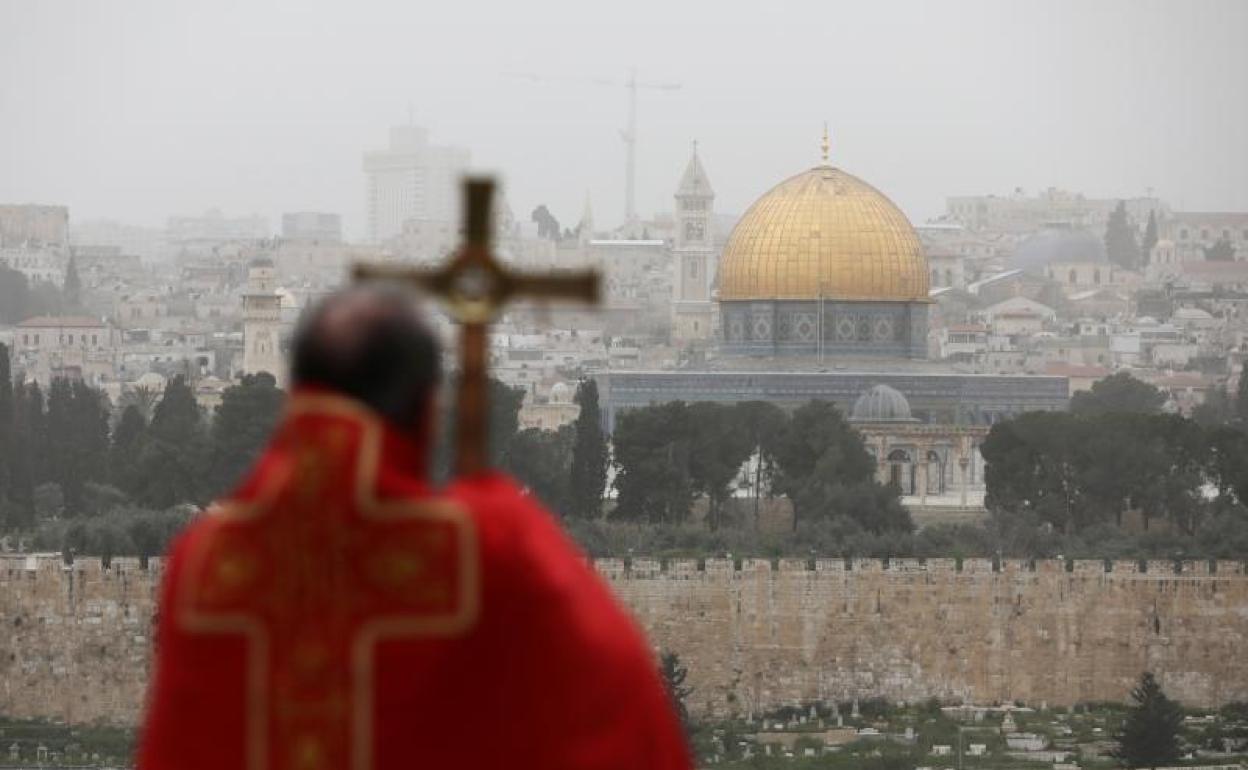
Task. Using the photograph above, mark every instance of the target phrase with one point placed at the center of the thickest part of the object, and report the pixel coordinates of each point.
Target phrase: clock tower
(693, 255)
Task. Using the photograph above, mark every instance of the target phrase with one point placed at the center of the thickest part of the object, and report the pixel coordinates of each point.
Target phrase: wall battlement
(754, 633)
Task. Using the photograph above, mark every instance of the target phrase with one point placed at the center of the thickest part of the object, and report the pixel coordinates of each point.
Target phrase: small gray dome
(1057, 243)
(881, 404)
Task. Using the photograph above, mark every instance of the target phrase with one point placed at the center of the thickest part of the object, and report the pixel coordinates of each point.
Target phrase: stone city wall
(754, 634)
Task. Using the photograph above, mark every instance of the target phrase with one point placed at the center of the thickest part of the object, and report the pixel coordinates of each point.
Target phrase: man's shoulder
(526, 545)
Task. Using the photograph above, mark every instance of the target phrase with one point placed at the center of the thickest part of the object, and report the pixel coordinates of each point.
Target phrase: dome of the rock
(824, 263)
(823, 233)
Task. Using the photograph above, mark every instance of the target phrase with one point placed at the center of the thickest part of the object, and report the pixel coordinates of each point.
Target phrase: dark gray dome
(1057, 243)
(881, 404)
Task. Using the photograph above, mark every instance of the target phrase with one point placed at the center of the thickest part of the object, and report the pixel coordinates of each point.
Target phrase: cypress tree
(6, 420)
(91, 410)
(71, 291)
(26, 465)
(240, 428)
(1150, 238)
(589, 455)
(1120, 243)
(61, 434)
(1150, 733)
(170, 462)
(125, 448)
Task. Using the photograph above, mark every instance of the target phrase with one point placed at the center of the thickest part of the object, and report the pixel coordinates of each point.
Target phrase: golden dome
(823, 233)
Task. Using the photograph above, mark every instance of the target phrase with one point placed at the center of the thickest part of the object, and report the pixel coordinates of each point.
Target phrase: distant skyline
(140, 110)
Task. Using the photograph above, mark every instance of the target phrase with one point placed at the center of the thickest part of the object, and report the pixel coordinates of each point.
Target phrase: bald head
(370, 343)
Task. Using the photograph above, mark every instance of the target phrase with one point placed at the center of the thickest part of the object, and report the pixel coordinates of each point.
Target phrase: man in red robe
(338, 613)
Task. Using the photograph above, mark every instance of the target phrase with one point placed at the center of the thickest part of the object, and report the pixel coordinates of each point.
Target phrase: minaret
(262, 322)
(693, 254)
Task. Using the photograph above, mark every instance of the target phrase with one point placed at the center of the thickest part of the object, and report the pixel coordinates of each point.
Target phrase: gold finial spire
(824, 144)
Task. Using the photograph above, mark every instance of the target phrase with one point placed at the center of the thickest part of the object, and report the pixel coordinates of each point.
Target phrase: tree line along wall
(755, 635)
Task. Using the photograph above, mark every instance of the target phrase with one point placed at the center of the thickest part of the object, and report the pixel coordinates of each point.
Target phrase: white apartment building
(411, 179)
(39, 264)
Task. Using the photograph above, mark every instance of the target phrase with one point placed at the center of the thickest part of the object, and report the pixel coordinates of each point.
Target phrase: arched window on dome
(1073, 278)
(949, 276)
(1096, 276)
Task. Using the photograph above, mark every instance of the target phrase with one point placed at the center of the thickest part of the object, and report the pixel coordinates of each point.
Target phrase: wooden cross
(475, 286)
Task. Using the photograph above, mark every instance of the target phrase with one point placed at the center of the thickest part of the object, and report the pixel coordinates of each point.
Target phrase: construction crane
(628, 133)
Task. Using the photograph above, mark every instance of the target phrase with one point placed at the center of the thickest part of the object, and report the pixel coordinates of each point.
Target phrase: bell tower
(693, 255)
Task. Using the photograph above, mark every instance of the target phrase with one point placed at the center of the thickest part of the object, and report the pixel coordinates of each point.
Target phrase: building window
(71, 339)
(1204, 233)
(1183, 234)
(693, 268)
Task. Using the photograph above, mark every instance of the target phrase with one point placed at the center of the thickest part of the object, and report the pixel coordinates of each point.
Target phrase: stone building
(824, 264)
(922, 459)
(76, 347)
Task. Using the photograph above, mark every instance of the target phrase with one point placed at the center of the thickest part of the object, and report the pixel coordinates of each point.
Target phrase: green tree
(1118, 393)
(6, 421)
(1220, 251)
(240, 428)
(14, 296)
(71, 290)
(26, 464)
(1034, 464)
(77, 439)
(652, 461)
(125, 449)
(1217, 408)
(826, 472)
(90, 410)
(718, 449)
(542, 460)
(1150, 238)
(590, 456)
(1150, 732)
(505, 403)
(1120, 243)
(1241, 399)
(60, 438)
(171, 458)
(674, 675)
(764, 424)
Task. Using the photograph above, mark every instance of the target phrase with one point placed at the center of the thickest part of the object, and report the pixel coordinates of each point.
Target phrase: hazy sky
(138, 109)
